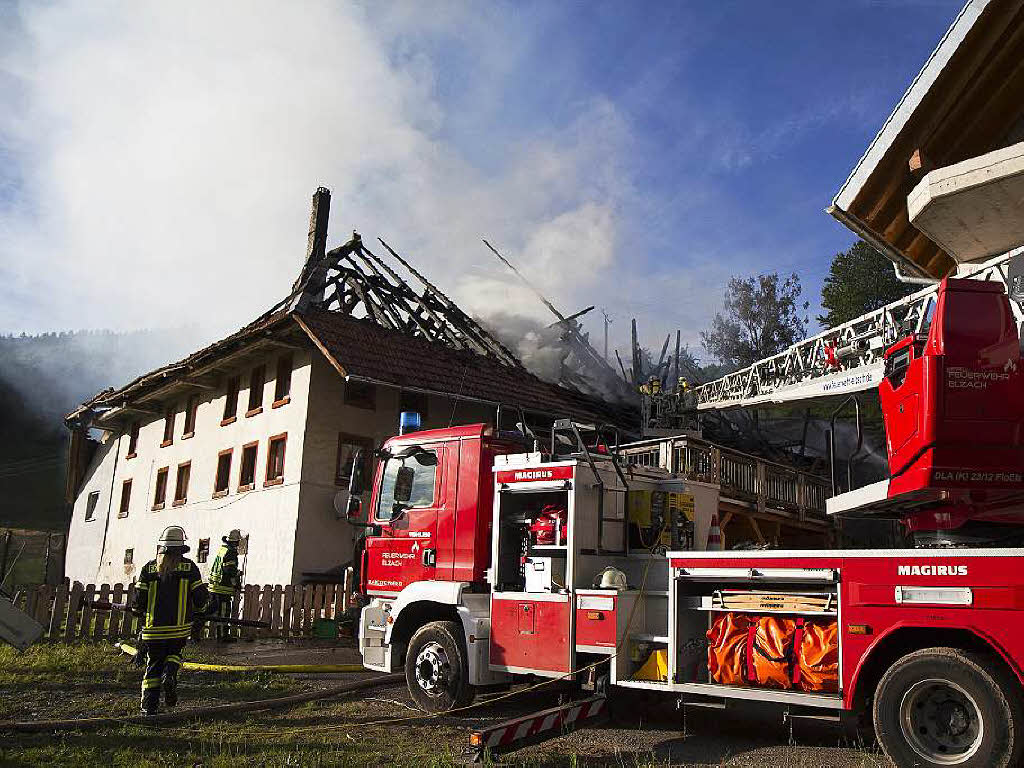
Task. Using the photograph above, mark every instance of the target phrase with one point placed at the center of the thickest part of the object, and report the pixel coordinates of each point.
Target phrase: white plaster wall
(266, 514)
(323, 540)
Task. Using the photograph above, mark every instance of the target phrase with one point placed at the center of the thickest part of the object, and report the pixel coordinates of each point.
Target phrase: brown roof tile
(366, 350)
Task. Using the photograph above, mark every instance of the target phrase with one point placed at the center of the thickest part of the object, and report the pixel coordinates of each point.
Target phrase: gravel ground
(359, 729)
(644, 730)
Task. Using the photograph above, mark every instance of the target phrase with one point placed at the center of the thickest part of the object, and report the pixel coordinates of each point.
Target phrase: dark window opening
(168, 427)
(414, 401)
(90, 505)
(133, 440)
(223, 478)
(347, 447)
(126, 498)
(190, 415)
(247, 477)
(231, 398)
(275, 459)
(203, 551)
(129, 556)
(256, 381)
(283, 381)
(160, 494)
(181, 483)
(360, 394)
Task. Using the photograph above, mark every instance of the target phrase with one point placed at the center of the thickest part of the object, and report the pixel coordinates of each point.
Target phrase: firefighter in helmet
(225, 582)
(169, 592)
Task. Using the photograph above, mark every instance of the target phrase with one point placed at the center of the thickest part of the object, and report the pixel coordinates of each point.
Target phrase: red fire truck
(486, 562)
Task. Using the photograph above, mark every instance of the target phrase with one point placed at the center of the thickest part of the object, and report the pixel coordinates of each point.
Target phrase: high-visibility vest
(168, 605)
(225, 578)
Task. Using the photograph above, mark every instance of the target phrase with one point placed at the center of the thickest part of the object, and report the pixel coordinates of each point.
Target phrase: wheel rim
(941, 721)
(433, 669)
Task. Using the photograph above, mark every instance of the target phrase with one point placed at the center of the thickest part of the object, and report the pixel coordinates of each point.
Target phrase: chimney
(316, 246)
(313, 274)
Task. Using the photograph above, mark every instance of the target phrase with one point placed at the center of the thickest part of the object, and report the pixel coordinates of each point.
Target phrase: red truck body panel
(955, 418)
(868, 582)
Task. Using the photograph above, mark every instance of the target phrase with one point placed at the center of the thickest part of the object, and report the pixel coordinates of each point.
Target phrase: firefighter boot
(151, 701)
(171, 690)
(170, 680)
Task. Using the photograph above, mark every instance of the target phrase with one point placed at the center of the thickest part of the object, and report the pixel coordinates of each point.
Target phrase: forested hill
(44, 377)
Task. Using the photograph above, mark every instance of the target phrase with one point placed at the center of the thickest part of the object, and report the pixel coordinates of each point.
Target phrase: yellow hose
(320, 668)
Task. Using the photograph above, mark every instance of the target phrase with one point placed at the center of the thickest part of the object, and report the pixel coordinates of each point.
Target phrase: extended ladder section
(847, 358)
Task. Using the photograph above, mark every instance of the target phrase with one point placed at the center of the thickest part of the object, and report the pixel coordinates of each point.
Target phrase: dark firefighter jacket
(168, 606)
(225, 578)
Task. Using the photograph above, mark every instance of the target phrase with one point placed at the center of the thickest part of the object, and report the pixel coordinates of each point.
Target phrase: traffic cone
(714, 533)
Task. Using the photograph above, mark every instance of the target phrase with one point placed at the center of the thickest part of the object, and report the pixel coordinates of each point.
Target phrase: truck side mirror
(353, 508)
(355, 480)
(403, 484)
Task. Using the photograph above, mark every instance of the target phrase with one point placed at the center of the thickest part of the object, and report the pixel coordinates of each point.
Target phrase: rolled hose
(318, 668)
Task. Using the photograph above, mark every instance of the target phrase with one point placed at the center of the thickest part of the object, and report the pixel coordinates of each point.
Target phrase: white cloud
(167, 153)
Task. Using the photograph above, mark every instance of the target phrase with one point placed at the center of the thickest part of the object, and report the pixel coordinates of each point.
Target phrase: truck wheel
(944, 706)
(435, 668)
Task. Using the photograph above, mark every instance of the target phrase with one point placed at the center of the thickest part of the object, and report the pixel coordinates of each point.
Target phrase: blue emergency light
(408, 421)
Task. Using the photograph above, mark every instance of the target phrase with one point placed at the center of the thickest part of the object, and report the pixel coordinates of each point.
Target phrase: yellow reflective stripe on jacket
(220, 589)
(151, 607)
(182, 600)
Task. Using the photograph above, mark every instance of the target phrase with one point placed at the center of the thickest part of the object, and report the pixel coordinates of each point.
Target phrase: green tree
(762, 315)
(860, 280)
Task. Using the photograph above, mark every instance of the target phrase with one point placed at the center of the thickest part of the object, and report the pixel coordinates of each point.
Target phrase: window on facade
(347, 447)
(203, 551)
(423, 482)
(275, 459)
(414, 401)
(133, 440)
(190, 416)
(181, 484)
(160, 489)
(223, 477)
(283, 380)
(126, 498)
(247, 477)
(231, 400)
(90, 505)
(359, 394)
(129, 556)
(168, 428)
(256, 380)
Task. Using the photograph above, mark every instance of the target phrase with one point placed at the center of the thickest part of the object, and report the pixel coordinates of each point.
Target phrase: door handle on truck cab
(429, 558)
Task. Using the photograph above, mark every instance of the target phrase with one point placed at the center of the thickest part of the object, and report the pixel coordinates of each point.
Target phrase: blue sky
(632, 155)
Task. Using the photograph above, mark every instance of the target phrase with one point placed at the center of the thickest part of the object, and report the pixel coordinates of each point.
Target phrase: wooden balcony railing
(772, 487)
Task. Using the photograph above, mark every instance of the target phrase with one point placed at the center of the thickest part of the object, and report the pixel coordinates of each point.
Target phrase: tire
(947, 707)
(436, 669)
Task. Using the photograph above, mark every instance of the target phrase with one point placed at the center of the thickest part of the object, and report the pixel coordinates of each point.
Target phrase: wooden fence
(65, 610)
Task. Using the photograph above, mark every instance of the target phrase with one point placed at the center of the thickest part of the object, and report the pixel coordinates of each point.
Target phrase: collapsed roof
(371, 325)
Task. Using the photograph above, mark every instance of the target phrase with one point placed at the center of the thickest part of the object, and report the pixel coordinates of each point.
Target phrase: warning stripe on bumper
(539, 724)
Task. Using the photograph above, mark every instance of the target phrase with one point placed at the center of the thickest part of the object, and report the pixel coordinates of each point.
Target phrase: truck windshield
(422, 487)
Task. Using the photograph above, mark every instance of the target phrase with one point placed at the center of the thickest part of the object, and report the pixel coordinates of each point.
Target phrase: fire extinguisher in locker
(549, 526)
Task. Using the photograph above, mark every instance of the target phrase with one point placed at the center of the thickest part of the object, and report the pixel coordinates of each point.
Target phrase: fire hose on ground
(189, 714)
(285, 668)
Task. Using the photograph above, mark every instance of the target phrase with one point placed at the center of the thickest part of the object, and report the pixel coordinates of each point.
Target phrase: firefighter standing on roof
(225, 582)
(169, 593)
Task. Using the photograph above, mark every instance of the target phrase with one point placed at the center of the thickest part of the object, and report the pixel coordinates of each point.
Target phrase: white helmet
(234, 536)
(173, 537)
(612, 578)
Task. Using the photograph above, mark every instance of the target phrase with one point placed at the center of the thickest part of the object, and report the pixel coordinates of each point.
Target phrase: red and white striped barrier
(539, 725)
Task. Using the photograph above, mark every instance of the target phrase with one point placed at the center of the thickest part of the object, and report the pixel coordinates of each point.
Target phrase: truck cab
(425, 557)
(441, 532)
